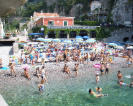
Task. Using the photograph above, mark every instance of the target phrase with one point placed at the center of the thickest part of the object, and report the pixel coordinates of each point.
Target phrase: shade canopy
(32, 34)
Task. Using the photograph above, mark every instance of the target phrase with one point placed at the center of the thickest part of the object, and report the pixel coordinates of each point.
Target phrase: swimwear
(107, 69)
(41, 88)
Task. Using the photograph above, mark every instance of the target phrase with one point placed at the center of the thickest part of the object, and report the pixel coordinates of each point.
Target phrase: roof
(46, 14)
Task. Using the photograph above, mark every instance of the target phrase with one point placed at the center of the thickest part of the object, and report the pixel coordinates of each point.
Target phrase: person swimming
(41, 87)
(99, 90)
(121, 83)
(94, 94)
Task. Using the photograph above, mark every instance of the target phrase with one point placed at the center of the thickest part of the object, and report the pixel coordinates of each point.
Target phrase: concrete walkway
(2, 101)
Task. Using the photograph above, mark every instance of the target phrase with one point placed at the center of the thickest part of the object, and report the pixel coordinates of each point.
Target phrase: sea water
(73, 92)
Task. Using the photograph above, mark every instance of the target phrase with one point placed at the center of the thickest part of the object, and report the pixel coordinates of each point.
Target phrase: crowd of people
(37, 54)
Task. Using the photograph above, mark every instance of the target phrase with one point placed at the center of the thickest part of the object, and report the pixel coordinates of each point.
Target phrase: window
(50, 23)
(65, 23)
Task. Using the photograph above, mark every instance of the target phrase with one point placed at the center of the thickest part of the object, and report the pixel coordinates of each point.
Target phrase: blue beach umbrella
(85, 37)
(78, 37)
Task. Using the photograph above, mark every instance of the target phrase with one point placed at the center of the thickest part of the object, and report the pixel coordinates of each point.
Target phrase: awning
(32, 34)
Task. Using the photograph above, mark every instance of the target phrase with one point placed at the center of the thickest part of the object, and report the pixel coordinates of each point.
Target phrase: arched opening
(125, 39)
(83, 33)
(63, 34)
(51, 34)
(73, 34)
(93, 34)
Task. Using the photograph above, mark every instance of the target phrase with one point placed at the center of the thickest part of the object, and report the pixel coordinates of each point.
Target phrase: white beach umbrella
(130, 47)
(119, 47)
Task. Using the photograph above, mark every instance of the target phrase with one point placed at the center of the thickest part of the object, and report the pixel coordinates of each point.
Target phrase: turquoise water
(74, 94)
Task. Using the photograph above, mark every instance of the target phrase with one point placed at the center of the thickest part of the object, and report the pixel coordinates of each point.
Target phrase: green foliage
(37, 29)
(59, 6)
(104, 32)
(87, 23)
(29, 8)
(24, 27)
(12, 25)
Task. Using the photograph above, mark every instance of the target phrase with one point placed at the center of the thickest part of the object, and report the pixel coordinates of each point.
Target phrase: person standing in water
(119, 75)
(76, 69)
(97, 78)
(107, 69)
(41, 85)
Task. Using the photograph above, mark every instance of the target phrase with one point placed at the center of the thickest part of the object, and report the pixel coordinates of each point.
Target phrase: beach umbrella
(119, 47)
(130, 47)
(40, 39)
(79, 40)
(90, 40)
(71, 48)
(47, 40)
(97, 65)
(56, 40)
(78, 37)
(67, 41)
(85, 37)
(112, 44)
(25, 66)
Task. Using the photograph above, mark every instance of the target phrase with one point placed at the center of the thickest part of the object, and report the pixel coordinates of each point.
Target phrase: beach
(59, 83)
(62, 88)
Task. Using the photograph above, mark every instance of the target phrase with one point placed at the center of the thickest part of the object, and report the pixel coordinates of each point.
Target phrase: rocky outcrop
(120, 35)
(122, 12)
(9, 6)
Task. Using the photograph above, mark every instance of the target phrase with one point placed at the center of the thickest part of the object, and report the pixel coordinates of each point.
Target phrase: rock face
(120, 35)
(122, 12)
(9, 6)
(2, 101)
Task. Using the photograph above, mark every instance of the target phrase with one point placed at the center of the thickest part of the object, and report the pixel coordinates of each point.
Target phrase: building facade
(52, 19)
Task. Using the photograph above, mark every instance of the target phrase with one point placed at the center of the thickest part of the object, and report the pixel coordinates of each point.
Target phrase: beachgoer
(97, 78)
(119, 75)
(12, 68)
(129, 61)
(1, 63)
(107, 69)
(76, 69)
(99, 90)
(102, 69)
(37, 71)
(41, 88)
(26, 73)
(92, 93)
(43, 73)
(131, 85)
(121, 83)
